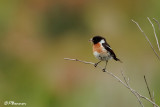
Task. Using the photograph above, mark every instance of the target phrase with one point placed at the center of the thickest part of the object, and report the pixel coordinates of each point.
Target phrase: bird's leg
(95, 65)
(104, 70)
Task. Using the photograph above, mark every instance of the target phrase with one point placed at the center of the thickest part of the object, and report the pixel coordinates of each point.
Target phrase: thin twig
(153, 97)
(79, 61)
(148, 89)
(146, 38)
(154, 32)
(133, 91)
(147, 99)
(138, 95)
(127, 82)
(157, 23)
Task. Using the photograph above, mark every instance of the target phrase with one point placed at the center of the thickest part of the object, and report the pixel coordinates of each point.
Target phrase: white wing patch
(102, 41)
(109, 47)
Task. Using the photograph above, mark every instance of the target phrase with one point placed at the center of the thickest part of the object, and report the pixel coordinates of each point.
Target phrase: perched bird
(102, 50)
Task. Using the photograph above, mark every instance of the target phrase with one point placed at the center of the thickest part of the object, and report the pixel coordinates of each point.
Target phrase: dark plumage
(108, 48)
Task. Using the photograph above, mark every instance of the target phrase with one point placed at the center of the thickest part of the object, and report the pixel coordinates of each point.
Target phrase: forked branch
(154, 32)
(147, 38)
(126, 83)
(149, 90)
(157, 23)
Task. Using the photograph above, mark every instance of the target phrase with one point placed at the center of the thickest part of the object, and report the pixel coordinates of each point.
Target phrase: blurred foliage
(59, 21)
(35, 36)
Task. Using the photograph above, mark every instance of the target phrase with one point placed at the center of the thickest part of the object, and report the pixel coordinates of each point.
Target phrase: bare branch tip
(138, 95)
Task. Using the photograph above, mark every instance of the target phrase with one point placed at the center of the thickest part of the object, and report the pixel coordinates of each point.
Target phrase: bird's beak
(90, 40)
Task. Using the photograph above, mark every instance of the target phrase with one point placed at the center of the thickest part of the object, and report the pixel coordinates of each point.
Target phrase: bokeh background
(35, 36)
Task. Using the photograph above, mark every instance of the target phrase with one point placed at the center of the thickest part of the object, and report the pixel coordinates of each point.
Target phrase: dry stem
(146, 39)
(157, 22)
(149, 90)
(138, 95)
(154, 32)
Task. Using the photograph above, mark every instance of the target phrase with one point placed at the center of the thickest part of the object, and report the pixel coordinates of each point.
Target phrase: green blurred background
(35, 36)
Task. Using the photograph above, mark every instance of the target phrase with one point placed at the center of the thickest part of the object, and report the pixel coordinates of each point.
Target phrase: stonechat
(102, 50)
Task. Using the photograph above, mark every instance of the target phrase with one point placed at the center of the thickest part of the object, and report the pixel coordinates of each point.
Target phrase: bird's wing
(108, 48)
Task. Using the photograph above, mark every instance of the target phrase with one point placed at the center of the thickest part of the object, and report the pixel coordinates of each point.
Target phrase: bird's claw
(95, 65)
(104, 70)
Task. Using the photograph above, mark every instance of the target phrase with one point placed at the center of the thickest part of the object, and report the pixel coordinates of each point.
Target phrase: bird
(102, 51)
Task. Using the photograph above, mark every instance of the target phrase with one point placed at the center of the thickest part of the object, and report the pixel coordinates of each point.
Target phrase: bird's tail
(118, 60)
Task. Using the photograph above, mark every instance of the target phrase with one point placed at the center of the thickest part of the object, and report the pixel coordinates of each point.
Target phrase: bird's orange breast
(97, 47)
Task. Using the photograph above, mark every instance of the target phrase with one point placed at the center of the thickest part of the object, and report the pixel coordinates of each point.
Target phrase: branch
(127, 82)
(158, 25)
(153, 97)
(154, 32)
(138, 95)
(148, 90)
(133, 91)
(146, 39)
(157, 22)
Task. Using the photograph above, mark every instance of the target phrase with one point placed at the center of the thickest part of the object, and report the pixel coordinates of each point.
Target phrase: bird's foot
(104, 70)
(95, 65)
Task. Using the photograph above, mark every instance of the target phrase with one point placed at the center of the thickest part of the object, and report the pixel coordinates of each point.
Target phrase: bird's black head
(97, 39)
